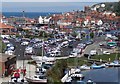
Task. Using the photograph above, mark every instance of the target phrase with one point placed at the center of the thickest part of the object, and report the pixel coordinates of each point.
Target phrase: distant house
(5, 29)
(44, 20)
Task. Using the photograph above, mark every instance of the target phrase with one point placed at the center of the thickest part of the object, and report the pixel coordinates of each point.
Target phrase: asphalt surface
(20, 50)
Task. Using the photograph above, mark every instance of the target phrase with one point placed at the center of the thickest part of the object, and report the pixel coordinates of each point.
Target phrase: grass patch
(76, 61)
(106, 57)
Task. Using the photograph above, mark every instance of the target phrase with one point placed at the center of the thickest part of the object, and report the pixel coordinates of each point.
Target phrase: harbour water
(103, 76)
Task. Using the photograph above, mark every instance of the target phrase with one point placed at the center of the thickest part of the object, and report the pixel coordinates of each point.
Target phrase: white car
(25, 43)
(9, 45)
(73, 54)
(12, 48)
(6, 41)
(106, 52)
(28, 50)
(93, 52)
(9, 52)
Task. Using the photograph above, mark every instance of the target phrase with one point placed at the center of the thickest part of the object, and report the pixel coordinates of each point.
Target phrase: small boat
(69, 79)
(113, 64)
(77, 76)
(37, 79)
(85, 67)
(94, 66)
(80, 82)
(90, 82)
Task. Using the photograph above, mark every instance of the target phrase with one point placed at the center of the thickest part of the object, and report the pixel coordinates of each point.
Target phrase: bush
(57, 71)
(91, 35)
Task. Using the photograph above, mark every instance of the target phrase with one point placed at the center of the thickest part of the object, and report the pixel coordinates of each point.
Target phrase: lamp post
(23, 53)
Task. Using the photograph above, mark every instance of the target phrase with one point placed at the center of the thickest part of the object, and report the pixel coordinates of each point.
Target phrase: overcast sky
(47, 5)
(44, 6)
(59, 0)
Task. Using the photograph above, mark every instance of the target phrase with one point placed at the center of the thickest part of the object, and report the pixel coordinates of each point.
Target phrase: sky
(59, 0)
(47, 5)
(43, 6)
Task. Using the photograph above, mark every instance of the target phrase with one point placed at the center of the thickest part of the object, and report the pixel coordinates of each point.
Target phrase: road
(95, 46)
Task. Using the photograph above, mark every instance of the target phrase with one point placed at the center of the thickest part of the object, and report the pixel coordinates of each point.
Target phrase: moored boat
(37, 79)
(113, 64)
(85, 67)
(94, 66)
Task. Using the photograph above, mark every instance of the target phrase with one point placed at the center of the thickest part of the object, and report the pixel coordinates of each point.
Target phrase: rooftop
(2, 25)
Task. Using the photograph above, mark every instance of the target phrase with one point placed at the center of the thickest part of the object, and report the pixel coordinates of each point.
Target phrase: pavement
(5, 79)
(95, 46)
(30, 69)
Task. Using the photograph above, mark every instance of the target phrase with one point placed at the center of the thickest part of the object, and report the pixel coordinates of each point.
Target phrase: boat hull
(30, 80)
(109, 65)
(97, 67)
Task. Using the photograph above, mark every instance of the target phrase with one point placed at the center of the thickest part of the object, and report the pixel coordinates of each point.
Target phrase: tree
(117, 8)
(92, 35)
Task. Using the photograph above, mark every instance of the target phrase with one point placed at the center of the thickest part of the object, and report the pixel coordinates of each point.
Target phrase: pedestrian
(17, 75)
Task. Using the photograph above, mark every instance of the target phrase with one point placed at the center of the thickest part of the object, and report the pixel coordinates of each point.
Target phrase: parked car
(18, 40)
(24, 43)
(73, 54)
(5, 41)
(29, 50)
(9, 52)
(106, 52)
(37, 45)
(89, 42)
(93, 52)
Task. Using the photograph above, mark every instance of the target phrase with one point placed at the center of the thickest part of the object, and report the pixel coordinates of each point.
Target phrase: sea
(29, 14)
(103, 76)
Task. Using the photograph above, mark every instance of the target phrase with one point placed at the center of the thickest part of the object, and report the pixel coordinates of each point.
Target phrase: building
(6, 29)
(7, 64)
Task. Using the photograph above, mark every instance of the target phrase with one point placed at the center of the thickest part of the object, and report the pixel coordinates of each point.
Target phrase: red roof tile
(2, 25)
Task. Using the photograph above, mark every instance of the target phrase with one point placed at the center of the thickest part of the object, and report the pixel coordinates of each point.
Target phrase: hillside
(108, 6)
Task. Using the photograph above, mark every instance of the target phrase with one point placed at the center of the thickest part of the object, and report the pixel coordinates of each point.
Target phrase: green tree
(117, 8)
(91, 35)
